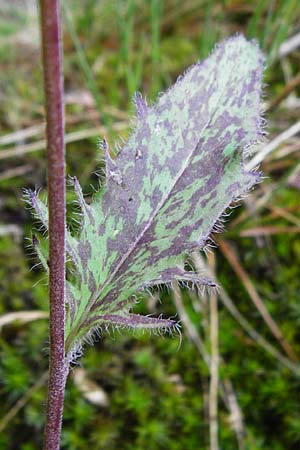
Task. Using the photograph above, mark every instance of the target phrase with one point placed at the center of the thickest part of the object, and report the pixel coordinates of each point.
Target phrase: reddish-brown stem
(53, 82)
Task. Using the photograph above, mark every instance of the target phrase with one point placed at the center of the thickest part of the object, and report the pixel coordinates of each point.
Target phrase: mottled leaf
(165, 190)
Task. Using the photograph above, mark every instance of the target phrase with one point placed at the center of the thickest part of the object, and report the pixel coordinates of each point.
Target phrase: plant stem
(53, 86)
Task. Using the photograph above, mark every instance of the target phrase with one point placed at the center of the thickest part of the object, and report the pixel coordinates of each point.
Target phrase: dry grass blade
(15, 172)
(254, 335)
(190, 328)
(268, 231)
(293, 83)
(260, 340)
(294, 178)
(73, 97)
(289, 45)
(281, 212)
(74, 136)
(264, 201)
(11, 229)
(271, 146)
(21, 135)
(226, 388)
(214, 365)
(22, 317)
(257, 204)
(236, 265)
(236, 417)
(22, 401)
(293, 146)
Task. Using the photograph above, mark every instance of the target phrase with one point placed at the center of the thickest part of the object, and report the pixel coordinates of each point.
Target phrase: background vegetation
(150, 392)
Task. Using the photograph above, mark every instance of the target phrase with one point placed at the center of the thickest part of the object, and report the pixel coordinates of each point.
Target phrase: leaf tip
(140, 104)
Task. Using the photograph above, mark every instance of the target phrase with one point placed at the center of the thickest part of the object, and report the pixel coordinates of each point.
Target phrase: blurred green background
(145, 391)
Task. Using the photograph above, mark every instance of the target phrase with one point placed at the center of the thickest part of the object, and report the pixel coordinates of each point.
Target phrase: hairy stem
(53, 86)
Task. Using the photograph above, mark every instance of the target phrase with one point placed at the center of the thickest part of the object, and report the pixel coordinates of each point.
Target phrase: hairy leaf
(165, 190)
